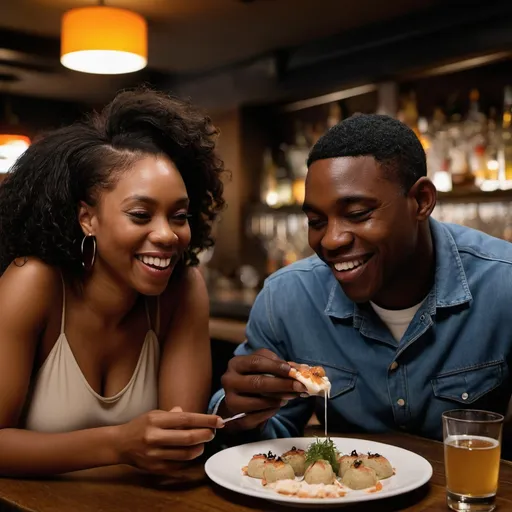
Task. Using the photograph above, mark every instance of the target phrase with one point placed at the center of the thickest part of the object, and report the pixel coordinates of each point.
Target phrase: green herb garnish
(323, 450)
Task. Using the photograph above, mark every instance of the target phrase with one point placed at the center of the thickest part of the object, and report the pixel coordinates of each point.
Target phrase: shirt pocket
(342, 379)
(467, 385)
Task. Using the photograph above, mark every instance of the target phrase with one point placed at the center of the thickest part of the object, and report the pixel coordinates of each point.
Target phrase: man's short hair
(393, 145)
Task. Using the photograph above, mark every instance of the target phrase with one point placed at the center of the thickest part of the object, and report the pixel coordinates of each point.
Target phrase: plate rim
(277, 498)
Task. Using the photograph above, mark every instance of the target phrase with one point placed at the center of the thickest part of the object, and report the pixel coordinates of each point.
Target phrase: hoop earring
(83, 249)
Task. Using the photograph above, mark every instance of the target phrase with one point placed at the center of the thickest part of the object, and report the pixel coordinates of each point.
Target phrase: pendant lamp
(103, 40)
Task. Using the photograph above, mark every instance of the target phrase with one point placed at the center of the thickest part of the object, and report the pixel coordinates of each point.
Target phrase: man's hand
(258, 385)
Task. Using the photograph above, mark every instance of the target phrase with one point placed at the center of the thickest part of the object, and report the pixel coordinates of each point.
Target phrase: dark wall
(31, 116)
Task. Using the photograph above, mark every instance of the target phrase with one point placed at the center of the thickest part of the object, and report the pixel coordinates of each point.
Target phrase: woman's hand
(155, 441)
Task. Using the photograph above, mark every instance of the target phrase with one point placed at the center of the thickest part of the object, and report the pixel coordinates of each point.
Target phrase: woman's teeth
(151, 261)
(348, 265)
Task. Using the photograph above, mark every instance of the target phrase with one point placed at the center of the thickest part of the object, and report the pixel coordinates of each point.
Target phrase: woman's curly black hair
(40, 196)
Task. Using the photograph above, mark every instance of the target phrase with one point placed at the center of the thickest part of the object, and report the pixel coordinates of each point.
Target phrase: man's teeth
(154, 261)
(348, 265)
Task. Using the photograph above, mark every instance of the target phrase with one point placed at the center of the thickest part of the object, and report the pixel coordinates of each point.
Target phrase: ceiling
(185, 37)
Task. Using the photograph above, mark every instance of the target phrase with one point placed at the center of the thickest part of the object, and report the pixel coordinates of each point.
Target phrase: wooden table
(121, 489)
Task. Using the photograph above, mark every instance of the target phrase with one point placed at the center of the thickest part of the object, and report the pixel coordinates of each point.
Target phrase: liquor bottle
(408, 114)
(475, 115)
(458, 153)
(335, 115)
(478, 164)
(284, 177)
(474, 132)
(507, 135)
(440, 161)
(297, 156)
(493, 147)
(268, 190)
(426, 141)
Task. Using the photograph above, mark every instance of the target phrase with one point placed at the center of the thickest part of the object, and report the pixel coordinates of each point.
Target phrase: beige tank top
(61, 399)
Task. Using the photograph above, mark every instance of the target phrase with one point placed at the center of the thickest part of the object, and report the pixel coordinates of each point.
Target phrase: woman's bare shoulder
(30, 277)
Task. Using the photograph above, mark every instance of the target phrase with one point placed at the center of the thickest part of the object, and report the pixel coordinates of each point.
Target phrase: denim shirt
(455, 353)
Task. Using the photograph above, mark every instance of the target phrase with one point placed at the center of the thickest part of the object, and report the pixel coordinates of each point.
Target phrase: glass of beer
(472, 447)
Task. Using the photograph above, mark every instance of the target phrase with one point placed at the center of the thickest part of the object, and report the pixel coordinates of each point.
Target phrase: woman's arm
(27, 294)
(27, 453)
(186, 365)
(150, 442)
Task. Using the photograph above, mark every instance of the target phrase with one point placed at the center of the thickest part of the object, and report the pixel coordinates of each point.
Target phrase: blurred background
(274, 75)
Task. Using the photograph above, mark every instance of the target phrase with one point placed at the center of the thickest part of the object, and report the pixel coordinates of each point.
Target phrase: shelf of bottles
(469, 158)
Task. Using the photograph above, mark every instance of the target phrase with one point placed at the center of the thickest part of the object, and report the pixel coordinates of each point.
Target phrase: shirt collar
(450, 283)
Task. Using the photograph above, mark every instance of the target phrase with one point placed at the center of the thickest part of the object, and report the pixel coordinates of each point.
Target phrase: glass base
(461, 502)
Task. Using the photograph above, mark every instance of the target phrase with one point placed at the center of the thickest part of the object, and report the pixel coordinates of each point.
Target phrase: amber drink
(472, 447)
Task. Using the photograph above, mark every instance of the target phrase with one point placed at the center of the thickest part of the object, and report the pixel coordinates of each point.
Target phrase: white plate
(225, 468)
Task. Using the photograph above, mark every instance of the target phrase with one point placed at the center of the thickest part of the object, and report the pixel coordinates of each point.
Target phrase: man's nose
(336, 236)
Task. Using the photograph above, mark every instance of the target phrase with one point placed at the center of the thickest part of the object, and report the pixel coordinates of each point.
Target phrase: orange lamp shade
(13, 139)
(103, 40)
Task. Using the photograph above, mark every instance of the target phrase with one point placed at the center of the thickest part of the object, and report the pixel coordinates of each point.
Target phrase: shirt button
(394, 365)
(464, 396)
(400, 402)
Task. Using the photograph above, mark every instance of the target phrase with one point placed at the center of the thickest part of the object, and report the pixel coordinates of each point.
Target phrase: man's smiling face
(360, 223)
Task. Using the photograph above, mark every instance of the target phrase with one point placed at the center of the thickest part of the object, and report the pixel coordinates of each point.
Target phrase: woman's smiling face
(141, 224)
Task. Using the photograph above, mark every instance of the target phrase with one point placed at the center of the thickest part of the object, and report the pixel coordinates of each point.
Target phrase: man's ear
(86, 218)
(424, 194)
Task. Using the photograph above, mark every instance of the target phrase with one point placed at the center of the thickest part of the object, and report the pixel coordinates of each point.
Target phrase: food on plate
(288, 487)
(305, 490)
(277, 469)
(314, 378)
(323, 450)
(345, 461)
(256, 465)
(320, 472)
(297, 460)
(379, 464)
(358, 476)
(321, 491)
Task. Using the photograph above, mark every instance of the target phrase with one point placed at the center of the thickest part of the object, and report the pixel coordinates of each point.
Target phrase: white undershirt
(397, 321)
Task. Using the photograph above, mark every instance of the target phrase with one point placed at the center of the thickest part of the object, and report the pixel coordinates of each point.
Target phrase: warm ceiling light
(11, 147)
(13, 139)
(103, 40)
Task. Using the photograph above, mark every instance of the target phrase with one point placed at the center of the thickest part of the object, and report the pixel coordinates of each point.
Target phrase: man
(409, 317)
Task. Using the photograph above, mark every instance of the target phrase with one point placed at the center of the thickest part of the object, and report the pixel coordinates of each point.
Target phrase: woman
(103, 316)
